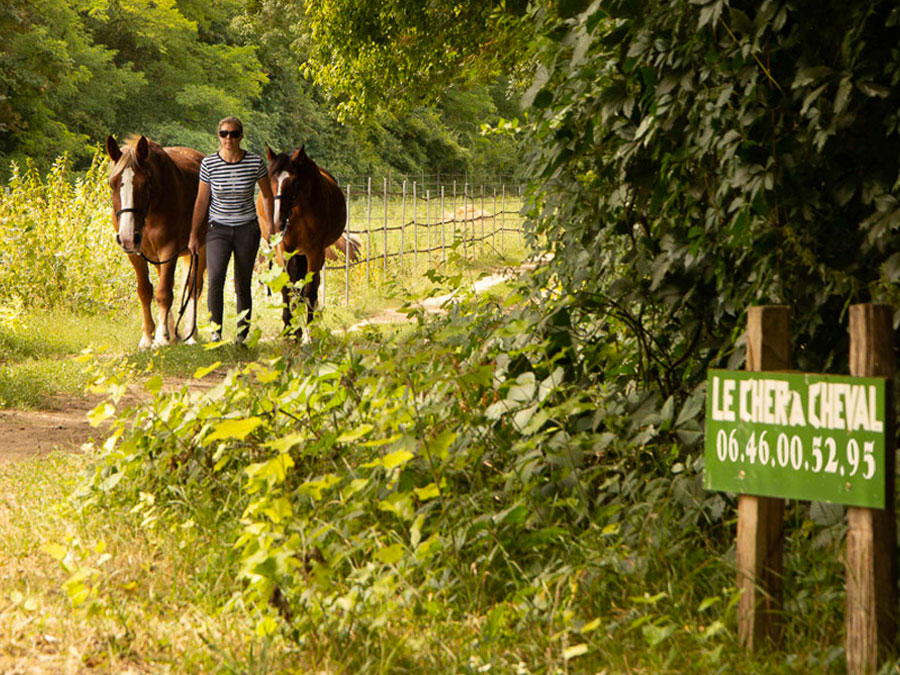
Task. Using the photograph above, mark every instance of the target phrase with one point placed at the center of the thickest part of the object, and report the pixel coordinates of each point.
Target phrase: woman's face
(229, 137)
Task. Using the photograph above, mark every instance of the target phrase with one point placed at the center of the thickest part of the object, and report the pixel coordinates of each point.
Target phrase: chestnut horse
(311, 212)
(153, 193)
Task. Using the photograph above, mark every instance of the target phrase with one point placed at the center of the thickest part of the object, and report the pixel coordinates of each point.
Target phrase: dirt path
(32, 433)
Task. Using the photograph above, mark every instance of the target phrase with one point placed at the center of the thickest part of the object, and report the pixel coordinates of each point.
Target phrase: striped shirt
(231, 187)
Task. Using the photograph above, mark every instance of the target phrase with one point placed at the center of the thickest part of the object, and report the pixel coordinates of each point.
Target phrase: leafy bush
(377, 494)
(696, 158)
(57, 244)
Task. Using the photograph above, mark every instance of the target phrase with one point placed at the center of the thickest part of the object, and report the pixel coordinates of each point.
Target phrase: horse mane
(129, 153)
(282, 162)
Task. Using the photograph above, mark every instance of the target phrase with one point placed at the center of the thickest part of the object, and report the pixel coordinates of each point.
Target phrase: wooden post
(760, 527)
(871, 559)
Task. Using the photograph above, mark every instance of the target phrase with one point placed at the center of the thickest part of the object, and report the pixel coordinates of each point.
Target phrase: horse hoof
(190, 341)
(145, 343)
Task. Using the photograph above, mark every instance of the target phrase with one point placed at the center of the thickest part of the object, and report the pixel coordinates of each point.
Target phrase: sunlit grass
(158, 599)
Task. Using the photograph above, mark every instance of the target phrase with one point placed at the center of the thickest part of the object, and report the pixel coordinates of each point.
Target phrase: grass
(38, 347)
(157, 599)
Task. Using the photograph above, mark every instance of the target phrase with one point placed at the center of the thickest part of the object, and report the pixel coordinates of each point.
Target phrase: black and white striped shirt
(231, 187)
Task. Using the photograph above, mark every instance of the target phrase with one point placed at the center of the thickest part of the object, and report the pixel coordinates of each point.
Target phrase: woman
(226, 196)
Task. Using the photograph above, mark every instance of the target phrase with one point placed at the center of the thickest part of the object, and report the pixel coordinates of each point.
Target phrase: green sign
(796, 435)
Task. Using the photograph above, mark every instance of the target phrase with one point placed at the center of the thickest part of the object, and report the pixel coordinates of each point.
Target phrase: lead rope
(190, 286)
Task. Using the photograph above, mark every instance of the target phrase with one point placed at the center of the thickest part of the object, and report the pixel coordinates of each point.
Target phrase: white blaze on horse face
(126, 201)
(283, 176)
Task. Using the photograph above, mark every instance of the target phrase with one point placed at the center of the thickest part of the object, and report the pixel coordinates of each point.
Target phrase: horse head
(129, 181)
(291, 175)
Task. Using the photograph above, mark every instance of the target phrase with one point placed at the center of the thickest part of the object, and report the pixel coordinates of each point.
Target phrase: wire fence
(404, 226)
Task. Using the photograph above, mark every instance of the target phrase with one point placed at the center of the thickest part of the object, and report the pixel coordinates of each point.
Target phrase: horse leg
(165, 327)
(311, 290)
(145, 294)
(296, 267)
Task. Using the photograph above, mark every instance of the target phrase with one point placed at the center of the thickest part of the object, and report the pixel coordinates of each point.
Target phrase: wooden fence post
(760, 527)
(871, 558)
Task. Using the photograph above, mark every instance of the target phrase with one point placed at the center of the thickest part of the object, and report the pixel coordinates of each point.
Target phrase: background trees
(75, 70)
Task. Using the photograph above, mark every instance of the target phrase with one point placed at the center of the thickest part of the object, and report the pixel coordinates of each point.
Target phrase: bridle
(286, 198)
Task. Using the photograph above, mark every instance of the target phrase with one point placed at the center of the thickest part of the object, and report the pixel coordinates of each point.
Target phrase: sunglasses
(225, 133)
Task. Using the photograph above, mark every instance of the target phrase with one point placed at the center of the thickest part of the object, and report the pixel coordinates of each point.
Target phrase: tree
(58, 89)
(364, 53)
(695, 158)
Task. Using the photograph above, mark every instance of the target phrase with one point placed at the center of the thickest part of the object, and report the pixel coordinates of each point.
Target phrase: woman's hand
(201, 208)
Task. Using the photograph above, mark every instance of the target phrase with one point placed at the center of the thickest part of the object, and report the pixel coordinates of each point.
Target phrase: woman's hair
(233, 121)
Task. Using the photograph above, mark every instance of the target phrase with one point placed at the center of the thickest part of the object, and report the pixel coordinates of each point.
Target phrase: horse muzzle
(132, 245)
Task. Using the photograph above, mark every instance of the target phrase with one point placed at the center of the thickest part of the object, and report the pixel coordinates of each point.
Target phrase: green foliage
(694, 159)
(73, 72)
(58, 88)
(450, 485)
(57, 243)
(366, 53)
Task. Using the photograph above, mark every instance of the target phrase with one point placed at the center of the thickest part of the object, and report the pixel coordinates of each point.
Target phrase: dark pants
(221, 242)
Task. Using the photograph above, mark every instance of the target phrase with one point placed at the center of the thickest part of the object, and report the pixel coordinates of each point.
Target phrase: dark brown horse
(311, 212)
(153, 192)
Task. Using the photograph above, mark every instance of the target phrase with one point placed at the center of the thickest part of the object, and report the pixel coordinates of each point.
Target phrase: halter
(141, 211)
(130, 209)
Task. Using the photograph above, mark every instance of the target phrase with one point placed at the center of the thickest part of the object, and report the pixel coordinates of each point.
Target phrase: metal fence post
(465, 218)
(519, 218)
(384, 278)
(428, 222)
(369, 232)
(502, 212)
(494, 221)
(402, 222)
(347, 252)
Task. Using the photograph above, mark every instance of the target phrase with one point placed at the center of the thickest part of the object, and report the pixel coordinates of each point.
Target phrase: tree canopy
(76, 70)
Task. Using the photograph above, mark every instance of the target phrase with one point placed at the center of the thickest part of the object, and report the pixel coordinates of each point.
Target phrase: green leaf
(200, 373)
(655, 634)
(355, 434)
(55, 551)
(238, 429)
(101, 413)
(315, 488)
(266, 626)
(542, 99)
(391, 460)
(430, 491)
(574, 651)
(154, 384)
(390, 554)
(279, 510)
(440, 444)
(285, 443)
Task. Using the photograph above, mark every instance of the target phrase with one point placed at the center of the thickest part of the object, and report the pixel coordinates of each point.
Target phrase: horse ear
(112, 149)
(269, 154)
(296, 156)
(143, 149)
